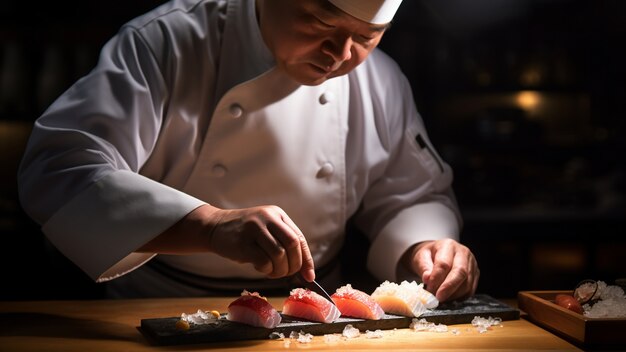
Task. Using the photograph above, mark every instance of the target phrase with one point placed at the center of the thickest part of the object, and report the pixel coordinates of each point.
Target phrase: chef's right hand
(263, 236)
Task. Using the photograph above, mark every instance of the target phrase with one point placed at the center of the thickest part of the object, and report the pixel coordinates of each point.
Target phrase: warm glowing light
(528, 100)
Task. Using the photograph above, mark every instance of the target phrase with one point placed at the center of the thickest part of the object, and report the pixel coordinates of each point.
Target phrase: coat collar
(244, 55)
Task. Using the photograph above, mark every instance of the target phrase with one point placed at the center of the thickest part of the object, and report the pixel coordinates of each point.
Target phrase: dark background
(526, 99)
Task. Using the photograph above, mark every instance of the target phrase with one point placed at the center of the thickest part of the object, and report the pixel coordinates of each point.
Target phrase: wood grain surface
(113, 325)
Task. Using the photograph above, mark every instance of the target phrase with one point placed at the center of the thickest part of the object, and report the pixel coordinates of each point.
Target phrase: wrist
(202, 222)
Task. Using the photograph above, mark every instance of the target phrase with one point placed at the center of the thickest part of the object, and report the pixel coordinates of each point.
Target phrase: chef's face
(313, 41)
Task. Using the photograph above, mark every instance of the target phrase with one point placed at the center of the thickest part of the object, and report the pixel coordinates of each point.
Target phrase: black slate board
(162, 331)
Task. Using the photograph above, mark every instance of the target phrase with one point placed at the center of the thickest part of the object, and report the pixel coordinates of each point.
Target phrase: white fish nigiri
(407, 299)
(428, 299)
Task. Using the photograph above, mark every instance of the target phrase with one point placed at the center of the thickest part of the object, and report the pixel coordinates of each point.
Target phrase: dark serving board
(162, 331)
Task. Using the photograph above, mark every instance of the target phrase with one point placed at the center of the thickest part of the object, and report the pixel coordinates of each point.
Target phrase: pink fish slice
(357, 304)
(309, 305)
(253, 309)
(298, 281)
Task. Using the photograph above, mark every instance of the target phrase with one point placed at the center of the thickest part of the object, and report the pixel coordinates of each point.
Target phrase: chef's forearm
(189, 235)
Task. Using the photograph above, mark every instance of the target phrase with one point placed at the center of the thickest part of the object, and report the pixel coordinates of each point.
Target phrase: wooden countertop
(112, 325)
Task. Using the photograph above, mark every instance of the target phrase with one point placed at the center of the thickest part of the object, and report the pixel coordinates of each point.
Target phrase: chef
(218, 144)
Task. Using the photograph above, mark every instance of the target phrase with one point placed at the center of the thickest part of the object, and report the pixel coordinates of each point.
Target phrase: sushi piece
(356, 304)
(428, 299)
(407, 299)
(309, 305)
(253, 309)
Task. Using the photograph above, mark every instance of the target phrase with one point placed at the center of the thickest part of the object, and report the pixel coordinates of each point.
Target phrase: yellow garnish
(182, 325)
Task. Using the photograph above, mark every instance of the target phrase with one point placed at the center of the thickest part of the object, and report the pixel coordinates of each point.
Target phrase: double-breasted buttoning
(218, 170)
(326, 170)
(327, 97)
(277, 152)
(235, 110)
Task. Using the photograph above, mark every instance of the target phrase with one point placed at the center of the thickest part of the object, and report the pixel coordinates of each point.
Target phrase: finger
(265, 267)
(468, 288)
(476, 277)
(274, 250)
(462, 292)
(443, 260)
(290, 241)
(307, 265)
(459, 281)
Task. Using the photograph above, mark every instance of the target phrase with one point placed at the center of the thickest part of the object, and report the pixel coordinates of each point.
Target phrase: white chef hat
(372, 11)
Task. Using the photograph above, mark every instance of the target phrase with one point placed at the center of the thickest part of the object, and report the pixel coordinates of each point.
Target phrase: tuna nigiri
(306, 304)
(357, 304)
(253, 309)
(408, 298)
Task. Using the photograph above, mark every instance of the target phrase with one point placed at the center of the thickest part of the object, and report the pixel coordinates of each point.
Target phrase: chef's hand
(448, 269)
(263, 236)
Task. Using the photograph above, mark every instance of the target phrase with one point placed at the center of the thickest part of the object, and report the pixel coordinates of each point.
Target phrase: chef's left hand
(448, 269)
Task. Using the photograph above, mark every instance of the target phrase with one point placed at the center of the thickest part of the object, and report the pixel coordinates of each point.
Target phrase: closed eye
(323, 24)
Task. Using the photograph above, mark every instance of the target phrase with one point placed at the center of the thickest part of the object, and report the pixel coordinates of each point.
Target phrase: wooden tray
(597, 332)
(162, 331)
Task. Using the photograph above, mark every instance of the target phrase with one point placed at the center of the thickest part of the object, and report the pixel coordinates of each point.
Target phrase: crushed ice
(199, 318)
(611, 302)
(277, 336)
(305, 338)
(376, 334)
(423, 325)
(483, 324)
(300, 336)
(350, 332)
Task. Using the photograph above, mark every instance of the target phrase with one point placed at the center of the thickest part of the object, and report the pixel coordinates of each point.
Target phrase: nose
(339, 47)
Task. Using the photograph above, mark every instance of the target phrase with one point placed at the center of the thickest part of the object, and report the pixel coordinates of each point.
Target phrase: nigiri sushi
(357, 304)
(428, 299)
(408, 298)
(253, 309)
(306, 304)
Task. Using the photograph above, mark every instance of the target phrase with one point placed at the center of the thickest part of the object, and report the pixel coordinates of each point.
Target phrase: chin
(312, 82)
(308, 76)
(307, 80)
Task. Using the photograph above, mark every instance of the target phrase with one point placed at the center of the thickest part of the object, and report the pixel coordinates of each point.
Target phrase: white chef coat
(186, 107)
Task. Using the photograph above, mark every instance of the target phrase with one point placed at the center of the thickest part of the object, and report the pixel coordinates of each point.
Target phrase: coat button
(326, 170)
(235, 110)
(219, 170)
(327, 97)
